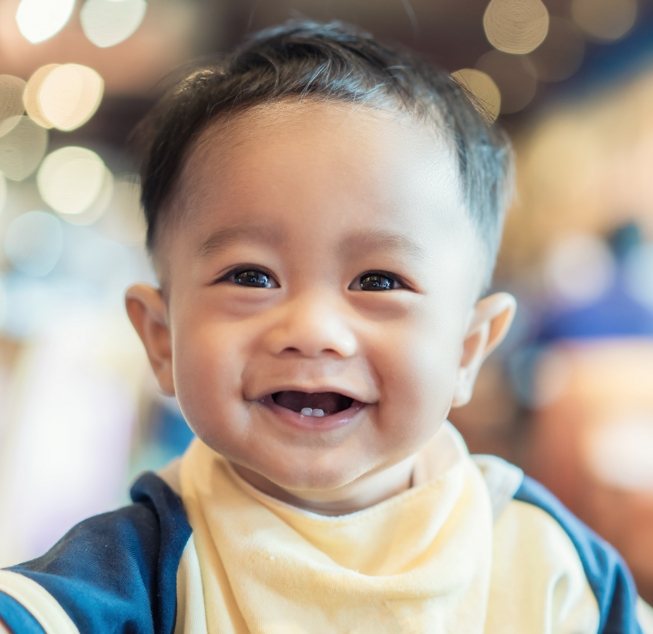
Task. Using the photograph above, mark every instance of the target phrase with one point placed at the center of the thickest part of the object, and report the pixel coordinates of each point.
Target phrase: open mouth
(318, 404)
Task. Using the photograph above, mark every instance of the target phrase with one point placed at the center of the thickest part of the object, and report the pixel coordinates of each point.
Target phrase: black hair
(328, 61)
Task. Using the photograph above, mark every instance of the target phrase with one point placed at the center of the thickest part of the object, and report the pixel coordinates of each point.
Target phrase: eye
(376, 281)
(250, 277)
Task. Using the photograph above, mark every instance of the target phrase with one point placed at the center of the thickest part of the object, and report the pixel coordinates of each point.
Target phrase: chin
(313, 480)
(300, 481)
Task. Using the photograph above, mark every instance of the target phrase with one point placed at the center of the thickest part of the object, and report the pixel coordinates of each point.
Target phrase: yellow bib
(418, 562)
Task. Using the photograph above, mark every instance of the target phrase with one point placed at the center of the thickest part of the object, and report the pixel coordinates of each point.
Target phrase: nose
(314, 325)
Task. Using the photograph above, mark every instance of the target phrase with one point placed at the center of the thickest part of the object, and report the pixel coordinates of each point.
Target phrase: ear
(148, 313)
(489, 324)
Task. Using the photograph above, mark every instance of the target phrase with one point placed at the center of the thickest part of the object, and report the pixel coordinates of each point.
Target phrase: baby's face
(320, 291)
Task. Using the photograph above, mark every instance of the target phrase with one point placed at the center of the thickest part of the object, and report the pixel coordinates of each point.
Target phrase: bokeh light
(71, 179)
(513, 76)
(39, 20)
(69, 95)
(98, 208)
(11, 99)
(579, 268)
(22, 148)
(484, 89)
(561, 53)
(516, 26)
(31, 95)
(606, 20)
(109, 22)
(34, 242)
(619, 452)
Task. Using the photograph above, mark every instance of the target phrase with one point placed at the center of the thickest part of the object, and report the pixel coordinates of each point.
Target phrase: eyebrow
(225, 237)
(371, 240)
(380, 240)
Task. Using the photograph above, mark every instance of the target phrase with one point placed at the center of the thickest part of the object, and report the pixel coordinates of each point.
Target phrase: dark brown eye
(253, 278)
(377, 282)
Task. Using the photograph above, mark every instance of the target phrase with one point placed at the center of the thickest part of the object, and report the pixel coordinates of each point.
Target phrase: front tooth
(307, 411)
(318, 412)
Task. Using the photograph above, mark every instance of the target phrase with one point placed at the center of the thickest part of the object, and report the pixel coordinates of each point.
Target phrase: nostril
(291, 350)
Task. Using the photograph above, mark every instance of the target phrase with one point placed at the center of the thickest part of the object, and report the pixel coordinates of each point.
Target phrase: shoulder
(548, 560)
(114, 568)
(604, 569)
(549, 567)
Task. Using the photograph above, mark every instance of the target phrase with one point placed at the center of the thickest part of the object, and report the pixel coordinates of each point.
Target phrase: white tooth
(318, 412)
(307, 411)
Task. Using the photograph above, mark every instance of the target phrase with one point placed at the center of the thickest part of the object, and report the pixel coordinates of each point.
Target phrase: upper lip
(315, 389)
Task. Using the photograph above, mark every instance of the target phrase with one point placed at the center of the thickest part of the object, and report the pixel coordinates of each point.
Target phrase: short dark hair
(328, 61)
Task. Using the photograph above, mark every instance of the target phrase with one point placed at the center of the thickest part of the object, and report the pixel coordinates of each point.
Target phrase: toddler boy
(323, 217)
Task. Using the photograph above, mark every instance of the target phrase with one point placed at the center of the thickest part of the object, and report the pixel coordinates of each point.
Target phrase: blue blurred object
(614, 313)
(170, 433)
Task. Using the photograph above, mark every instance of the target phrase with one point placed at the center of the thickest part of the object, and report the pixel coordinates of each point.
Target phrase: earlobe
(147, 312)
(490, 322)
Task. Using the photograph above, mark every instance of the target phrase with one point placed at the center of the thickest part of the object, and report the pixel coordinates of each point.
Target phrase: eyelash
(395, 283)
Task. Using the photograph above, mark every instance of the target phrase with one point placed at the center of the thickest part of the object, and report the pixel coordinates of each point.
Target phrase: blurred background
(569, 397)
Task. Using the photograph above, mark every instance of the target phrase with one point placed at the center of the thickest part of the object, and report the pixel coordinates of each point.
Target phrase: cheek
(203, 376)
(421, 369)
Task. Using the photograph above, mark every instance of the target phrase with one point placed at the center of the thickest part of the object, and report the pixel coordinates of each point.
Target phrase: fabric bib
(416, 562)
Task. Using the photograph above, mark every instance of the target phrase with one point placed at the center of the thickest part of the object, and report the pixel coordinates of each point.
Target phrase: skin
(292, 213)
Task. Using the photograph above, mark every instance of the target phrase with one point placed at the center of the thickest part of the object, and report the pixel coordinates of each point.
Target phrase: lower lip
(313, 423)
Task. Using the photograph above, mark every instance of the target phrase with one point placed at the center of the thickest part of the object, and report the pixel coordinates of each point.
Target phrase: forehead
(294, 163)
